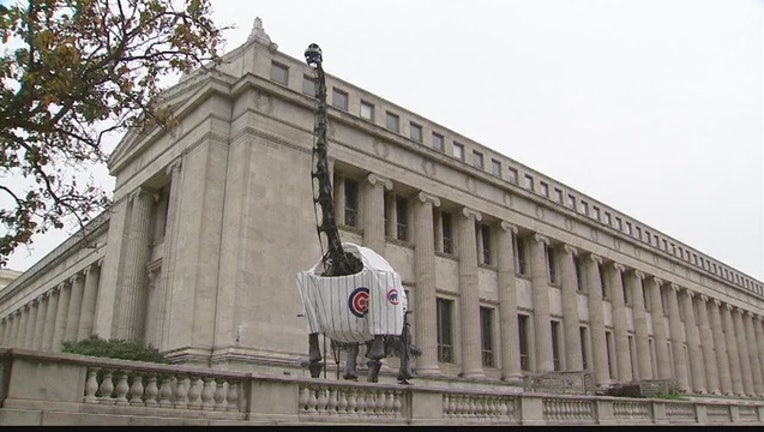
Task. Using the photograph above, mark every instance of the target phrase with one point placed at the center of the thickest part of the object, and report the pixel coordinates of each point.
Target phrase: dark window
(626, 292)
(579, 273)
(445, 333)
(556, 345)
(603, 281)
(486, 331)
(392, 122)
(551, 264)
(521, 254)
(448, 238)
(485, 240)
(478, 162)
(529, 182)
(367, 111)
(340, 99)
(582, 331)
(309, 85)
(458, 151)
(584, 208)
(523, 332)
(351, 202)
(512, 175)
(279, 73)
(572, 201)
(558, 195)
(544, 189)
(401, 212)
(609, 349)
(437, 141)
(596, 213)
(415, 132)
(496, 167)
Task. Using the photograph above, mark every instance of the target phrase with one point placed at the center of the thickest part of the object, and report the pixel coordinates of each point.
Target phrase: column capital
(747, 313)
(74, 277)
(506, 226)
(471, 214)
(690, 293)
(595, 258)
(618, 266)
(758, 318)
(541, 238)
(729, 307)
(173, 167)
(704, 298)
(60, 286)
(378, 180)
(99, 263)
(717, 302)
(639, 275)
(675, 287)
(427, 198)
(570, 249)
(658, 280)
(141, 193)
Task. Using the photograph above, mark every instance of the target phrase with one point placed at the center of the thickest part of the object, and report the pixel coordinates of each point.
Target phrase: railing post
(701, 414)
(734, 414)
(426, 408)
(273, 400)
(604, 414)
(659, 412)
(531, 410)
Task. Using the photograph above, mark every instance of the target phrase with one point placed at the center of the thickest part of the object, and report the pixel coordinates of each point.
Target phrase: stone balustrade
(39, 388)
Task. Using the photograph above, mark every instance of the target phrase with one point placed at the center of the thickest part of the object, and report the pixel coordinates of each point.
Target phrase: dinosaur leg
(376, 352)
(314, 356)
(350, 364)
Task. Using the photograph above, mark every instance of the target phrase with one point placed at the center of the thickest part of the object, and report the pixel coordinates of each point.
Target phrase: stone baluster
(620, 329)
(469, 300)
(208, 394)
(508, 331)
(107, 387)
(136, 390)
(75, 307)
(89, 296)
(634, 282)
(662, 357)
(708, 347)
(152, 391)
(573, 359)
(742, 345)
(49, 322)
(732, 351)
(720, 345)
(374, 212)
(677, 339)
(61, 317)
(693, 343)
(424, 263)
(165, 393)
(121, 389)
(753, 354)
(131, 302)
(541, 314)
(596, 320)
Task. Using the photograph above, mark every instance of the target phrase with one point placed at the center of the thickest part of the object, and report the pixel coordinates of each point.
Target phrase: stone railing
(573, 383)
(43, 389)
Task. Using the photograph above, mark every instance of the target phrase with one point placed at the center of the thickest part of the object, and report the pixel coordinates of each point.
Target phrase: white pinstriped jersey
(356, 307)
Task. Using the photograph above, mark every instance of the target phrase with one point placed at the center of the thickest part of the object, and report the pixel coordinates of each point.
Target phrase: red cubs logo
(392, 296)
(358, 303)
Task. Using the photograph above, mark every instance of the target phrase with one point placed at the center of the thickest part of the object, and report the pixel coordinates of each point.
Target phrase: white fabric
(329, 302)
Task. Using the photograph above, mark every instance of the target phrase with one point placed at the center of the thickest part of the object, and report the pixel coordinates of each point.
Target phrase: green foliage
(72, 73)
(114, 348)
(673, 393)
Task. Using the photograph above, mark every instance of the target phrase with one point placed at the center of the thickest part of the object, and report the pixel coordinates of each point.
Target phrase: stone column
(622, 352)
(75, 307)
(707, 344)
(596, 320)
(30, 322)
(18, 329)
(573, 359)
(677, 339)
(469, 301)
(742, 346)
(634, 285)
(720, 345)
(89, 296)
(753, 354)
(508, 331)
(131, 309)
(168, 250)
(39, 322)
(10, 333)
(693, 343)
(541, 317)
(424, 263)
(759, 334)
(5, 329)
(374, 213)
(49, 323)
(662, 357)
(732, 351)
(61, 317)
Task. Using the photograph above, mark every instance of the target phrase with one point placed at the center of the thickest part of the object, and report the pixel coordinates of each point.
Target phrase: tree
(73, 72)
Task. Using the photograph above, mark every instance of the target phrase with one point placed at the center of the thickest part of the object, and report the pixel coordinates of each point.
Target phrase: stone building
(509, 272)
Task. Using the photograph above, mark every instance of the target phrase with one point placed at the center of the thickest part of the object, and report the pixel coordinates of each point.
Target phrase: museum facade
(509, 273)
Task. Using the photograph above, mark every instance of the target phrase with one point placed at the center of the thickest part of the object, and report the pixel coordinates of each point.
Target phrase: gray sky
(652, 107)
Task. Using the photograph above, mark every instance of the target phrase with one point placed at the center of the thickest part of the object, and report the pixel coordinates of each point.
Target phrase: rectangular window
(486, 332)
(445, 330)
(367, 111)
(351, 202)
(584, 340)
(608, 220)
(578, 267)
(626, 291)
(603, 282)
(558, 195)
(496, 167)
(340, 99)
(448, 238)
(665, 245)
(556, 345)
(551, 265)
(610, 353)
(485, 244)
(279, 73)
(572, 201)
(584, 208)
(523, 337)
(392, 121)
(596, 212)
(437, 142)
(458, 151)
(529, 182)
(544, 189)
(628, 228)
(645, 298)
(618, 225)
(512, 175)
(478, 159)
(639, 232)
(521, 254)
(402, 219)
(415, 132)
(309, 85)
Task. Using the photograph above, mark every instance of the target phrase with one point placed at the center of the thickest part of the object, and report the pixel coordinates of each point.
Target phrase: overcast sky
(652, 107)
